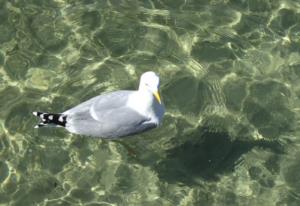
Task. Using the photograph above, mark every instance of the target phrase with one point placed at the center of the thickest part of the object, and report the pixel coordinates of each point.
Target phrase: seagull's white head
(150, 81)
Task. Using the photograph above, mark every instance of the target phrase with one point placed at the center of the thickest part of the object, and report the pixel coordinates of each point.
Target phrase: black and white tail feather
(50, 119)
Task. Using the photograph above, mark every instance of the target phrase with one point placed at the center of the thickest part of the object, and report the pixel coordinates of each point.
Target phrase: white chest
(146, 104)
(142, 102)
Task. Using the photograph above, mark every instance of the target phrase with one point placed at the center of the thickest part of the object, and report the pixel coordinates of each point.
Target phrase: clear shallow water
(230, 81)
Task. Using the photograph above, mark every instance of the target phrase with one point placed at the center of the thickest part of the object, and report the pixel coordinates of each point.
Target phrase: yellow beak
(156, 94)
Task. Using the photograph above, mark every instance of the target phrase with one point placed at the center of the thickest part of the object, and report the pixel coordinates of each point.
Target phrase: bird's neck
(141, 100)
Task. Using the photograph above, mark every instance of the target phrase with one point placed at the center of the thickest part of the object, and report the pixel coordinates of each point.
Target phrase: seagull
(113, 115)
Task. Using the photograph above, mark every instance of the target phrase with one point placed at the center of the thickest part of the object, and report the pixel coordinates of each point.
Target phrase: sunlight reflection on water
(230, 81)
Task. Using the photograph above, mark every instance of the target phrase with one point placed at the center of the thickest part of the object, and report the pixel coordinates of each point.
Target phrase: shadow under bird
(113, 115)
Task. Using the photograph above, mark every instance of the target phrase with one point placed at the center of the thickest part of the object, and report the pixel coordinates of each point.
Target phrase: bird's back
(106, 116)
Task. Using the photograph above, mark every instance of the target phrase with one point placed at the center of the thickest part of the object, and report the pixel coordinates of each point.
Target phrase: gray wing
(105, 101)
(83, 107)
(107, 116)
(115, 118)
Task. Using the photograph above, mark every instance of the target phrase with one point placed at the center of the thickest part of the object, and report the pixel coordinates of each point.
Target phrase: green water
(230, 80)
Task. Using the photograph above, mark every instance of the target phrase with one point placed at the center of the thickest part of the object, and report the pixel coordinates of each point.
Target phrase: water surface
(230, 73)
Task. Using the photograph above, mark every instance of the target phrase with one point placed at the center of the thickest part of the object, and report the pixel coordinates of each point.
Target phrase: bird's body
(113, 115)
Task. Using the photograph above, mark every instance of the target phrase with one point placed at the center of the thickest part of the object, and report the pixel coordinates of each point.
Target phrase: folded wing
(117, 119)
